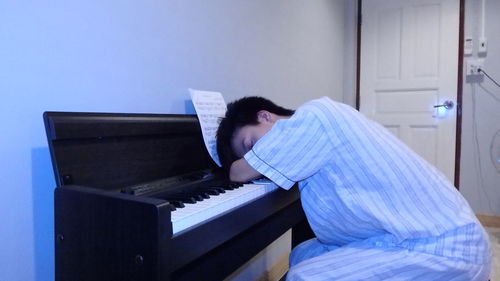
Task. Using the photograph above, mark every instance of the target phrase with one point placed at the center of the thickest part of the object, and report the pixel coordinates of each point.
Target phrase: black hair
(240, 113)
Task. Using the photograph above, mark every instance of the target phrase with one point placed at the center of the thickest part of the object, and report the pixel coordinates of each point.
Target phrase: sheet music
(210, 107)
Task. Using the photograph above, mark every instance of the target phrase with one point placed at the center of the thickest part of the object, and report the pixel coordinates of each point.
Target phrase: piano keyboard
(195, 213)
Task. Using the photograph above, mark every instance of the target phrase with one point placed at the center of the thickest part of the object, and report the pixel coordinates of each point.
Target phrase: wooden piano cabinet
(103, 235)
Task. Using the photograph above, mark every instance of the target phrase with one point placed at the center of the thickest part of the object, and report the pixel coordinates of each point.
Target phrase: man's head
(246, 121)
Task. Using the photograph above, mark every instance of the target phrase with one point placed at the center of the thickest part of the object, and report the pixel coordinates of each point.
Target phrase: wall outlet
(473, 66)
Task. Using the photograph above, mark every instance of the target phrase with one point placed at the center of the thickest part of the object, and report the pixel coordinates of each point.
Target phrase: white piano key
(194, 214)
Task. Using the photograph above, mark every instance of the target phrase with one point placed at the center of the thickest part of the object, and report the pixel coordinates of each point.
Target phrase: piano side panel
(108, 236)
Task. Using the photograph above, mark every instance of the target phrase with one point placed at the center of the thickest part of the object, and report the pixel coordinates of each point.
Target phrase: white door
(409, 63)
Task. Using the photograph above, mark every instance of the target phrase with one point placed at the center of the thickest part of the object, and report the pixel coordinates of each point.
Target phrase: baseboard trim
(488, 220)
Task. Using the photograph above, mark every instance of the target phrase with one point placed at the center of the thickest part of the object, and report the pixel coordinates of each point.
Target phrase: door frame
(458, 133)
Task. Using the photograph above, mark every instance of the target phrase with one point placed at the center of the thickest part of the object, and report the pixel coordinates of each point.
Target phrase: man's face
(245, 137)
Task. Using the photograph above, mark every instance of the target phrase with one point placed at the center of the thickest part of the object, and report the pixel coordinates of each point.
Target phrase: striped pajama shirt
(378, 210)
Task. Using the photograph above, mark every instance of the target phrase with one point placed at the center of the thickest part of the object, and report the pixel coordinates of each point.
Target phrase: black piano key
(183, 199)
(177, 204)
(211, 191)
(204, 194)
(220, 189)
(232, 185)
(196, 196)
(172, 207)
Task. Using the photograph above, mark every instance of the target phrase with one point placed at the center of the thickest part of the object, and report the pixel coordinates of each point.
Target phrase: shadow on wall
(189, 107)
(43, 213)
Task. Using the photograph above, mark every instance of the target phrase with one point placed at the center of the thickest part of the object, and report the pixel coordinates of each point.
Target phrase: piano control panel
(176, 182)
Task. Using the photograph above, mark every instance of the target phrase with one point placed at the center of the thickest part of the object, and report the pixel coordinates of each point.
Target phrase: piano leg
(301, 232)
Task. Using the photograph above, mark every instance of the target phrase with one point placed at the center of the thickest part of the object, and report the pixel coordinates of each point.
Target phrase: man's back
(379, 211)
(358, 182)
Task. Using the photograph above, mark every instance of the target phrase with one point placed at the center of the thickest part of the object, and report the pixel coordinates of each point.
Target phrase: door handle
(447, 104)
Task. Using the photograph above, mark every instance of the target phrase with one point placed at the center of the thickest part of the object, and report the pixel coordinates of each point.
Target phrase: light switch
(468, 46)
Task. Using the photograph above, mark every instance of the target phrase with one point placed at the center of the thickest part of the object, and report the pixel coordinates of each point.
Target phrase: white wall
(139, 56)
(479, 180)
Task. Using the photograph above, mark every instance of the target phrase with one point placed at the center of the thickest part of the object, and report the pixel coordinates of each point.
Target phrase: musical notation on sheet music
(210, 108)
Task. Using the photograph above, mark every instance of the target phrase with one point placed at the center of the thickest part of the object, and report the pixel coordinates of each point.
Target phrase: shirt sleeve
(293, 150)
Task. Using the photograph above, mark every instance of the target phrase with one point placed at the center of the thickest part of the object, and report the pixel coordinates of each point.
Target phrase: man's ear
(264, 116)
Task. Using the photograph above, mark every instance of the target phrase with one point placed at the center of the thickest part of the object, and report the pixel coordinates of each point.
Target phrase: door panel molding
(416, 70)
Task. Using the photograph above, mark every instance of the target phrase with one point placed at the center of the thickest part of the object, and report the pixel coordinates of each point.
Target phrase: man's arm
(241, 171)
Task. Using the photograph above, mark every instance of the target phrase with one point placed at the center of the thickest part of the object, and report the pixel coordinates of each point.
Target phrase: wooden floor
(494, 233)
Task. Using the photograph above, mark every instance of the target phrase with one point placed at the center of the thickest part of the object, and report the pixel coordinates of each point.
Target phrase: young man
(378, 210)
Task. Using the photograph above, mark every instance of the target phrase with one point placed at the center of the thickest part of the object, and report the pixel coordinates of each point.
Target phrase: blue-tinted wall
(139, 56)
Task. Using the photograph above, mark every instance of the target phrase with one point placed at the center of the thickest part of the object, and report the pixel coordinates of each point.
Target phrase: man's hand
(241, 171)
